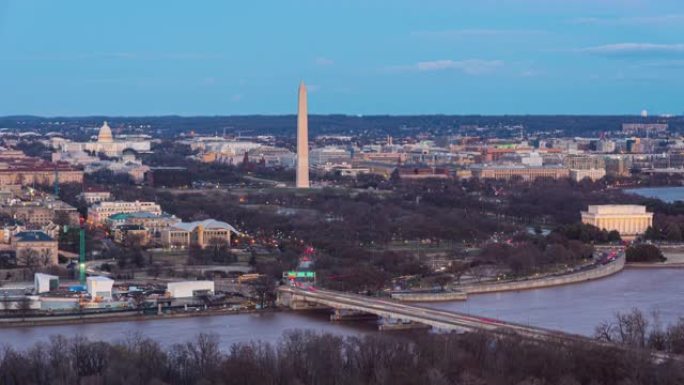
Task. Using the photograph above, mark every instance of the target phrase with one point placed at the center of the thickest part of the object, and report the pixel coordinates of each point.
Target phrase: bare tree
(629, 329)
(5, 303)
(24, 306)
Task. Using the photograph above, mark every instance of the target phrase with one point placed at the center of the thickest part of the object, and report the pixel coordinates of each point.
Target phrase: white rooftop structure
(44, 283)
(100, 286)
(616, 209)
(206, 224)
(188, 289)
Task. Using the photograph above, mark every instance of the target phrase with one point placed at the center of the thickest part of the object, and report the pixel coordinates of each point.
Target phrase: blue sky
(135, 57)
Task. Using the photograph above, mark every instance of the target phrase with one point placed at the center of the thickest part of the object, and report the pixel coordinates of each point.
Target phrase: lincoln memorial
(628, 220)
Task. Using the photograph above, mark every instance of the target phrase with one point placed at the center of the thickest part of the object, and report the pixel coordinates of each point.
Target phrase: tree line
(302, 357)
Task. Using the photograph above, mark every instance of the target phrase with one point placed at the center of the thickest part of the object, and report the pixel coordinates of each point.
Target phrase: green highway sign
(300, 274)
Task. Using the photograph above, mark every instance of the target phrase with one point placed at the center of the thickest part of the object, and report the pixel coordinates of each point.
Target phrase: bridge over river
(298, 298)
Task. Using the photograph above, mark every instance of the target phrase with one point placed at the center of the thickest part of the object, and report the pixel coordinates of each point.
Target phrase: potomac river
(576, 308)
(665, 194)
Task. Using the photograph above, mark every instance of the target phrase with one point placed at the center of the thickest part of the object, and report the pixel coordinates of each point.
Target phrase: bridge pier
(351, 315)
(295, 302)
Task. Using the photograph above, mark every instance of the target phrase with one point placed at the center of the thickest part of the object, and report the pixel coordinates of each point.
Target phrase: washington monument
(302, 140)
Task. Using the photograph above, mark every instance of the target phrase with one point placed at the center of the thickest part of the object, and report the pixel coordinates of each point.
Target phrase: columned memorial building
(628, 220)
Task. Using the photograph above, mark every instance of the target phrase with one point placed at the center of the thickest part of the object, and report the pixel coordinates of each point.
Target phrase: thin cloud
(469, 67)
(630, 21)
(208, 81)
(116, 56)
(634, 49)
(663, 64)
(323, 61)
(475, 33)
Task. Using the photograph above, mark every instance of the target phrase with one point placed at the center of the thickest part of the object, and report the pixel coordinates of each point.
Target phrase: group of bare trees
(309, 358)
(636, 329)
(34, 258)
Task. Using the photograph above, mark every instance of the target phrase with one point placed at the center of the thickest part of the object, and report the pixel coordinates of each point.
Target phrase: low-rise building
(150, 221)
(644, 129)
(619, 165)
(100, 212)
(592, 174)
(131, 234)
(188, 289)
(422, 172)
(526, 173)
(99, 287)
(94, 195)
(18, 169)
(576, 162)
(201, 233)
(35, 248)
(43, 283)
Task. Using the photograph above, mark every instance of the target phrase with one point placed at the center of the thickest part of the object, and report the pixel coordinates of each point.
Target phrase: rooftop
(206, 224)
(130, 227)
(33, 236)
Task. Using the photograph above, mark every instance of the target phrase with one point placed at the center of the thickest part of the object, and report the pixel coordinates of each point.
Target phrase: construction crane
(81, 252)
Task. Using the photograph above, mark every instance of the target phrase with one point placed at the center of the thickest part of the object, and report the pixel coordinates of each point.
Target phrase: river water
(574, 308)
(666, 194)
(579, 308)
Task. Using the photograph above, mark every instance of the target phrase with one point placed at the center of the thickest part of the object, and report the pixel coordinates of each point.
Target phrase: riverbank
(674, 255)
(121, 316)
(599, 272)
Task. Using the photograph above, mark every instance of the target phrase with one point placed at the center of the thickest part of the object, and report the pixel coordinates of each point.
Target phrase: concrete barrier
(430, 297)
(596, 273)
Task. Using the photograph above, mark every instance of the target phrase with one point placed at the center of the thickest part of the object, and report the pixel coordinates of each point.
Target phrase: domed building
(105, 134)
(108, 145)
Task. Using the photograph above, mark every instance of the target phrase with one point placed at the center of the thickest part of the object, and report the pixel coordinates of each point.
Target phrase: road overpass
(298, 298)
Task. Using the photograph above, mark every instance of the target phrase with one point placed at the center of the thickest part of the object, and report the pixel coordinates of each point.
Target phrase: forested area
(308, 358)
(351, 233)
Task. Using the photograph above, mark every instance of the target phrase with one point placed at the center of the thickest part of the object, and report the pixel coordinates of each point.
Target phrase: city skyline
(407, 57)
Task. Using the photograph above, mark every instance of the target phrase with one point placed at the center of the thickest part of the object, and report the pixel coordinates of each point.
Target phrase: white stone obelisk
(302, 140)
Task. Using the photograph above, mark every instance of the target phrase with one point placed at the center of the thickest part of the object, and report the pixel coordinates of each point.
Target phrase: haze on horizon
(357, 57)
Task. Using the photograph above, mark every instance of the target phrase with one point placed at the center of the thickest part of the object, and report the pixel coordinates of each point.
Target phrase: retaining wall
(431, 297)
(596, 273)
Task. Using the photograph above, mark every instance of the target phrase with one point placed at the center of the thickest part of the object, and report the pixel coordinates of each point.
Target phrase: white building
(93, 196)
(532, 159)
(100, 287)
(188, 289)
(44, 283)
(100, 212)
(628, 220)
(106, 143)
(593, 174)
(328, 155)
(201, 233)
